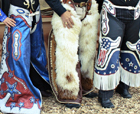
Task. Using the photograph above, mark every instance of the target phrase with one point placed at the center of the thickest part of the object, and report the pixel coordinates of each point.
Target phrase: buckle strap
(81, 4)
(33, 14)
(70, 2)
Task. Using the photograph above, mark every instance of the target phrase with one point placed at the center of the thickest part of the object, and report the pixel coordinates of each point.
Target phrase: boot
(46, 93)
(122, 89)
(104, 98)
(105, 102)
(72, 105)
(91, 95)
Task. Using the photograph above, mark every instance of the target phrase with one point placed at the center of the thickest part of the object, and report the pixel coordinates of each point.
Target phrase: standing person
(23, 45)
(117, 63)
(74, 26)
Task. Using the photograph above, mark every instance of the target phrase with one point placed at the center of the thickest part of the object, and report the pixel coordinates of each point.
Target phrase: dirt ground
(91, 106)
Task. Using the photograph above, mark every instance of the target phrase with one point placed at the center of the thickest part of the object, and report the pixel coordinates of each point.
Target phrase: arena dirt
(91, 106)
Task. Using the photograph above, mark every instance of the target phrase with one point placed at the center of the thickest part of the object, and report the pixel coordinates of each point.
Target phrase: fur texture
(67, 47)
(88, 41)
(66, 53)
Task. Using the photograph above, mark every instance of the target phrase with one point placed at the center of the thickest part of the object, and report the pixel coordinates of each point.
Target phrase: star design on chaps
(21, 104)
(12, 105)
(32, 100)
(12, 89)
(10, 75)
(130, 64)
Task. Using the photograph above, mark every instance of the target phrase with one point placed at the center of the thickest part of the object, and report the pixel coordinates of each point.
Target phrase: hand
(9, 22)
(67, 20)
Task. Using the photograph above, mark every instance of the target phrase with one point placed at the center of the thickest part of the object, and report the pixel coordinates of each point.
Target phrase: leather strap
(89, 2)
(81, 4)
(70, 2)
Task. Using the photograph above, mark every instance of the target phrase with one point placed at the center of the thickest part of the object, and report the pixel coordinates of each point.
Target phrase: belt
(111, 8)
(121, 7)
(81, 4)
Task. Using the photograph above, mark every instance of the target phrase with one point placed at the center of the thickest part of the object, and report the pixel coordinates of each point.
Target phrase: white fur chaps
(83, 35)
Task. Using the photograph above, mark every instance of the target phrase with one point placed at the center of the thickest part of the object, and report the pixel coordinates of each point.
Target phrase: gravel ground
(91, 106)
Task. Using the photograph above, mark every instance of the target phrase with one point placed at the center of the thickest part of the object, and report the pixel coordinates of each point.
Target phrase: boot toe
(106, 103)
(72, 105)
(91, 95)
(124, 94)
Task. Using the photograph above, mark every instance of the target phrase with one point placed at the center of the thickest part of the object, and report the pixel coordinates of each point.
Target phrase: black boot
(106, 103)
(122, 89)
(104, 98)
(72, 105)
(46, 93)
(91, 95)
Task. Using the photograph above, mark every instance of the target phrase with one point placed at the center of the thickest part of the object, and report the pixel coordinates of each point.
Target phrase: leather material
(46, 93)
(72, 105)
(124, 93)
(72, 4)
(106, 103)
(106, 94)
(61, 97)
(91, 95)
(66, 83)
(122, 89)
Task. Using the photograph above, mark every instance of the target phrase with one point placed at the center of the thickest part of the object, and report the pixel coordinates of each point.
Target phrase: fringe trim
(109, 82)
(88, 41)
(66, 53)
(130, 79)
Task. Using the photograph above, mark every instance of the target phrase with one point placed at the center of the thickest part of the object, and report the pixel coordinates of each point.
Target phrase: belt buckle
(82, 4)
(131, 8)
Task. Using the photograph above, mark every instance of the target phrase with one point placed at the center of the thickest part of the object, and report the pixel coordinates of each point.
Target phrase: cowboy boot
(104, 98)
(122, 89)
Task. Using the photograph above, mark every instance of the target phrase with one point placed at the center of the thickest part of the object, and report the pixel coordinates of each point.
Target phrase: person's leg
(19, 93)
(129, 60)
(107, 73)
(87, 48)
(38, 72)
(38, 52)
(40, 83)
(104, 98)
(122, 89)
